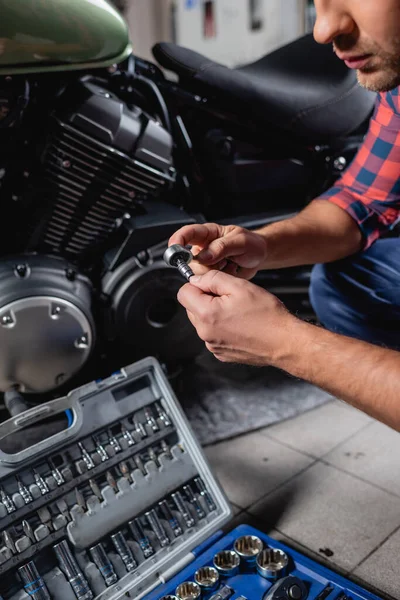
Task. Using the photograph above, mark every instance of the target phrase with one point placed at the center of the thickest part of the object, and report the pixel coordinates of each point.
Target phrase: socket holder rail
(83, 478)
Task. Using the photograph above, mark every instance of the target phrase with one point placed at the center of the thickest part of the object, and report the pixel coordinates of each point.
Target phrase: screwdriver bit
(111, 481)
(101, 451)
(166, 449)
(40, 482)
(9, 542)
(139, 464)
(27, 529)
(80, 500)
(63, 508)
(45, 517)
(126, 434)
(139, 428)
(86, 456)
(140, 537)
(162, 415)
(125, 471)
(114, 443)
(6, 500)
(95, 489)
(153, 456)
(150, 420)
(23, 490)
(56, 473)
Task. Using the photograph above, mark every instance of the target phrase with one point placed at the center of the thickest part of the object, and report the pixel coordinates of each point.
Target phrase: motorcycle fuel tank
(58, 35)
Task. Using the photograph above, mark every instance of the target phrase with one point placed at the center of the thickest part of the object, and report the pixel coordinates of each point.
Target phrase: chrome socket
(188, 590)
(272, 563)
(248, 547)
(207, 578)
(227, 562)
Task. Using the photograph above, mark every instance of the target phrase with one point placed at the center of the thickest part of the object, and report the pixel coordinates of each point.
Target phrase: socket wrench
(272, 563)
(248, 547)
(207, 578)
(188, 590)
(227, 562)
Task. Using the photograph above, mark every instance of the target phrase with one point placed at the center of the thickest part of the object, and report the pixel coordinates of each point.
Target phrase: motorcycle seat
(302, 87)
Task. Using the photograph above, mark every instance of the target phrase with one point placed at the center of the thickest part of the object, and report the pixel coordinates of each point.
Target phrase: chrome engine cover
(46, 326)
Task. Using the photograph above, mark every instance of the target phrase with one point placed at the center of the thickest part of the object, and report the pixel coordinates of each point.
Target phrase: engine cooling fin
(90, 186)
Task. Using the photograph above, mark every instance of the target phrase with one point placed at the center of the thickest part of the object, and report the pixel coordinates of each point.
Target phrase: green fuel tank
(37, 36)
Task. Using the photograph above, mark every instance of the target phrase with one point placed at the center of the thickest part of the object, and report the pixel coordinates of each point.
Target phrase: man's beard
(383, 74)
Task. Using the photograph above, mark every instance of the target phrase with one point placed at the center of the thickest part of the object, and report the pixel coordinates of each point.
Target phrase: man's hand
(239, 321)
(230, 248)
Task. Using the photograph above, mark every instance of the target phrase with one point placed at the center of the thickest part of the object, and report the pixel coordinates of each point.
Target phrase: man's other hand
(227, 248)
(238, 321)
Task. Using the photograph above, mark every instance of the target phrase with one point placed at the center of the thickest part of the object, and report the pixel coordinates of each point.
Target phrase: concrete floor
(326, 483)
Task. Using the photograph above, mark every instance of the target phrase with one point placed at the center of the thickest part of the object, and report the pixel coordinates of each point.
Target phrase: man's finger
(194, 299)
(231, 245)
(217, 283)
(201, 235)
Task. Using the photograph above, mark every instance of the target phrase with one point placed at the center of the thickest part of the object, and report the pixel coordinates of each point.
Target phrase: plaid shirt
(369, 190)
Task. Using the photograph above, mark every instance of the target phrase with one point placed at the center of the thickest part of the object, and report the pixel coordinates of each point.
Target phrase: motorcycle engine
(100, 162)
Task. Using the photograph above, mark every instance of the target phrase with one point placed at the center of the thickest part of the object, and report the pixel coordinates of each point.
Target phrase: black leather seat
(302, 87)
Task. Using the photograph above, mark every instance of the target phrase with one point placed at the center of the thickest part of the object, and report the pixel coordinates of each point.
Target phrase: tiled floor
(326, 483)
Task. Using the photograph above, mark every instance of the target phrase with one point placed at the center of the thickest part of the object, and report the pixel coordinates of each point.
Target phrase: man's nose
(333, 20)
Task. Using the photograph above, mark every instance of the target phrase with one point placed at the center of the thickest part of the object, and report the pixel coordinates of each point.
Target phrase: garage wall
(233, 35)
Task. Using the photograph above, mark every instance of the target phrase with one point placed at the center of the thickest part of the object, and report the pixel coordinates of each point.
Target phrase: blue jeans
(359, 296)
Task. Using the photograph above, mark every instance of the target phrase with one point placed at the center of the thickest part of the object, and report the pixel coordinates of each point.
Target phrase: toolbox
(122, 503)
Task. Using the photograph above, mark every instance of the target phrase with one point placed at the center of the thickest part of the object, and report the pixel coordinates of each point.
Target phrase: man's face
(366, 34)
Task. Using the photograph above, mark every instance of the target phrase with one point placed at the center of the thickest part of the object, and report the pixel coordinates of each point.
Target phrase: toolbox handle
(35, 415)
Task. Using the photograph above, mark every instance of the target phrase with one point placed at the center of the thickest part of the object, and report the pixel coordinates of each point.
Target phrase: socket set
(122, 504)
(111, 506)
(246, 564)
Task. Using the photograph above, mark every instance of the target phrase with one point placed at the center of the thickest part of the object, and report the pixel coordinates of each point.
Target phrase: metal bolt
(82, 342)
(6, 320)
(21, 270)
(70, 274)
(340, 163)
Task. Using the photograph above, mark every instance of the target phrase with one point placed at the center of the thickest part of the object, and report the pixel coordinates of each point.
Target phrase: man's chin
(378, 81)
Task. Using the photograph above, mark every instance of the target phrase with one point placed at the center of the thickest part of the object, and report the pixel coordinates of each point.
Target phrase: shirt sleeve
(369, 190)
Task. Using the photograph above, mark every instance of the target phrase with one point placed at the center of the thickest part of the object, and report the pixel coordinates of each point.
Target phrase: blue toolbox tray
(250, 585)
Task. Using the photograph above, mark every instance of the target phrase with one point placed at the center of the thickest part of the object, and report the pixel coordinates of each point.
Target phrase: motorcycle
(103, 156)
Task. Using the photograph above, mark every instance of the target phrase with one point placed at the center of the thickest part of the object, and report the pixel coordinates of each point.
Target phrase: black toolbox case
(123, 504)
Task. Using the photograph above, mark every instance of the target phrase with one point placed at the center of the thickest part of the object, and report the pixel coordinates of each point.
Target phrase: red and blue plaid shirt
(369, 190)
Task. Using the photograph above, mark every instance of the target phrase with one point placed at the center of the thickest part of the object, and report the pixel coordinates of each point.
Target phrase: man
(358, 295)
